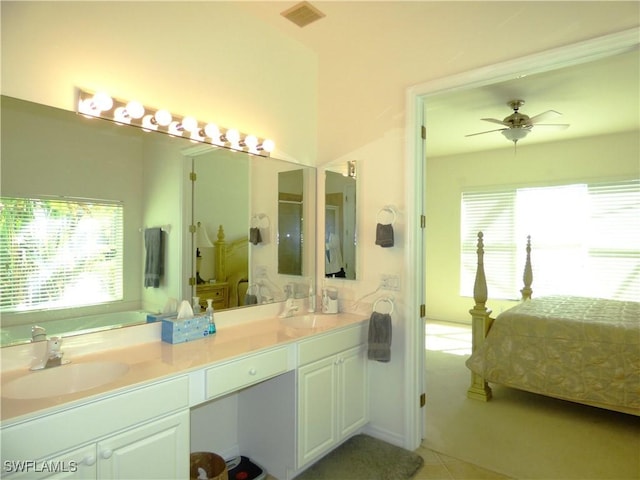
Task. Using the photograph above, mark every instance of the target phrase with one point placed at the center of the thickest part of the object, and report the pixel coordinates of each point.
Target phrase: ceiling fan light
(515, 134)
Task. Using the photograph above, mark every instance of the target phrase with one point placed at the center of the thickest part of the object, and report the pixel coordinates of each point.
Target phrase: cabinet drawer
(330, 344)
(246, 371)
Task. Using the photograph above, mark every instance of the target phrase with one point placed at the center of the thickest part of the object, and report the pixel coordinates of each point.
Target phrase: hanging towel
(154, 262)
(254, 235)
(384, 235)
(380, 337)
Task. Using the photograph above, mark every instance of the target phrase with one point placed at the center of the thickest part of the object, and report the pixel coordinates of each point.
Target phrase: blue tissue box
(184, 330)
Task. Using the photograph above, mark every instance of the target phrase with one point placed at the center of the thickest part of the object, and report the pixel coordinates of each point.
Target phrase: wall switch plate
(390, 282)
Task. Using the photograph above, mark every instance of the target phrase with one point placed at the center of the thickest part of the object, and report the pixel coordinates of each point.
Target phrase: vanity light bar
(102, 105)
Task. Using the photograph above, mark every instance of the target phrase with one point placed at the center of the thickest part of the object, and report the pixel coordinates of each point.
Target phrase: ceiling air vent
(302, 14)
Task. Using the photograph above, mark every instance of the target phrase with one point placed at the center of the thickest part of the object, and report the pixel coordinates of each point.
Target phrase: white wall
(595, 158)
(380, 182)
(207, 59)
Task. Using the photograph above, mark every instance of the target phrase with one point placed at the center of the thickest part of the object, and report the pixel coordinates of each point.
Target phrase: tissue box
(184, 330)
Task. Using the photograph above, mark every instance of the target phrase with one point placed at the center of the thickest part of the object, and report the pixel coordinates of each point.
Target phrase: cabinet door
(156, 450)
(353, 404)
(317, 404)
(77, 464)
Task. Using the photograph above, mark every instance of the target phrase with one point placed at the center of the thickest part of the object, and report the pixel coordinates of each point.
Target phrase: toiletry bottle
(209, 314)
(195, 305)
(312, 300)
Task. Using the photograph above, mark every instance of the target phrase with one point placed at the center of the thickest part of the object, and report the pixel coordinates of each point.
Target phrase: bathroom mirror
(340, 220)
(54, 153)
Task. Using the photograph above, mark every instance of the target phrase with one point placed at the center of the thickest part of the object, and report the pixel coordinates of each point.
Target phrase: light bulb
(175, 128)
(121, 115)
(233, 136)
(268, 145)
(163, 117)
(212, 131)
(190, 124)
(135, 109)
(102, 101)
(251, 141)
(148, 123)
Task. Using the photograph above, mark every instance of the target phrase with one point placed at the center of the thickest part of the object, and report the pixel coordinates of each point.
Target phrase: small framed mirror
(340, 221)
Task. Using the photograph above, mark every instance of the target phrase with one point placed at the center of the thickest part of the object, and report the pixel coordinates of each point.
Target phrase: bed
(231, 266)
(585, 350)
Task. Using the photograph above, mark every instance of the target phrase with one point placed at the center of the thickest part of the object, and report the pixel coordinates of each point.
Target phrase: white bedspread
(581, 349)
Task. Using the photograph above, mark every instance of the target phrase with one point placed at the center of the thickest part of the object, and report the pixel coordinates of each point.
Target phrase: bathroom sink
(63, 380)
(311, 321)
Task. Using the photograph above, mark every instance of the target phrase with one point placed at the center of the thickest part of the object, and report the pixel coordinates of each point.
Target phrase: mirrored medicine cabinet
(340, 233)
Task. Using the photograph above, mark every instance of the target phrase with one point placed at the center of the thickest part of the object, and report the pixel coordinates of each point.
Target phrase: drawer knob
(106, 453)
(89, 460)
(252, 371)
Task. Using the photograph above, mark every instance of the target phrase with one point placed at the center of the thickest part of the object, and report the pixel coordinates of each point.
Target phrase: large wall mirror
(340, 221)
(48, 153)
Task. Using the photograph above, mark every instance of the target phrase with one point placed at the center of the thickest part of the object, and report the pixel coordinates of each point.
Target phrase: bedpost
(528, 274)
(220, 265)
(480, 324)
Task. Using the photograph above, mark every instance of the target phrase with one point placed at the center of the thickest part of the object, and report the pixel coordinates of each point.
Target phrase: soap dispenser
(209, 313)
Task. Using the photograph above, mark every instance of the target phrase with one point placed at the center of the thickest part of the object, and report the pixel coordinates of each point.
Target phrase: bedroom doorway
(419, 99)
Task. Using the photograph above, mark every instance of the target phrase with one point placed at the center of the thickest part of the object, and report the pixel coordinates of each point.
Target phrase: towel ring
(257, 221)
(390, 210)
(383, 299)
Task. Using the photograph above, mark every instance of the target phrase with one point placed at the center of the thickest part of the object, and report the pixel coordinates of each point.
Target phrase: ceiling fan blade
(553, 126)
(495, 120)
(488, 131)
(545, 116)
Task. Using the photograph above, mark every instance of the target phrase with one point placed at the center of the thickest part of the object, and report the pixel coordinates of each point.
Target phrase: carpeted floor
(520, 434)
(365, 458)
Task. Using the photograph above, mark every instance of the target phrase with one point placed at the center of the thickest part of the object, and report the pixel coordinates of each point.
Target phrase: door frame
(416, 98)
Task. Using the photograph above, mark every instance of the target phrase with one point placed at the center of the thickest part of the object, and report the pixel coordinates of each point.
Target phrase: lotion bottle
(209, 313)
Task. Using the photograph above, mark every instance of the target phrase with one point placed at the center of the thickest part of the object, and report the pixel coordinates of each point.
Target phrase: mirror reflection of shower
(340, 222)
(290, 222)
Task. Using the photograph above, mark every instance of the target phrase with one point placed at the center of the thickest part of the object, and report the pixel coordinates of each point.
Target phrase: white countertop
(156, 360)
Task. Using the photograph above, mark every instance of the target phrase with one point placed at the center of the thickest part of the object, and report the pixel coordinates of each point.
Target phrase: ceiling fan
(518, 125)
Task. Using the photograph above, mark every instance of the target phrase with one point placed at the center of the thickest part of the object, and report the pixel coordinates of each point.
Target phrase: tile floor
(441, 467)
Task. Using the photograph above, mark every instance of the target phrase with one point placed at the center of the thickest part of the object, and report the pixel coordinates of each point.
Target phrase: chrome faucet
(52, 356)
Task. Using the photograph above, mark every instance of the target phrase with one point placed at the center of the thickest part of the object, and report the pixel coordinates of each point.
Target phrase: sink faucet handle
(38, 334)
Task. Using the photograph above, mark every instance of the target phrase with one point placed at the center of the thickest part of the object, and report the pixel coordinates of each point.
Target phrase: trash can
(242, 468)
(207, 466)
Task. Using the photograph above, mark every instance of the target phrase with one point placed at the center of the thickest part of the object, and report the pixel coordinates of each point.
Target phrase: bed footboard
(480, 323)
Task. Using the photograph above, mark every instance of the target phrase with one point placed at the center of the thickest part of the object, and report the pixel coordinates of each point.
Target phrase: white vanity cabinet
(143, 433)
(332, 391)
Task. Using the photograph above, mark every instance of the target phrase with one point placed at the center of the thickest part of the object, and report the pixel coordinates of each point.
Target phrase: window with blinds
(59, 253)
(585, 239)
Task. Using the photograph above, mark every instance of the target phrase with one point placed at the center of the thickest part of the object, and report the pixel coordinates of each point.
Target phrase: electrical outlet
(390, 282)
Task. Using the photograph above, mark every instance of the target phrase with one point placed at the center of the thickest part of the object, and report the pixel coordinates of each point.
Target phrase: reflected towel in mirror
(154, 261)
(254, 235)
(384, 235)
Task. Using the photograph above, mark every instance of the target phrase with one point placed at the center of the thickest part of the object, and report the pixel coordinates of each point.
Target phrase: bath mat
(365, 458)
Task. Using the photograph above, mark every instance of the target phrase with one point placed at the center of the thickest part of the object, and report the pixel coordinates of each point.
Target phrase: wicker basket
(214, 465)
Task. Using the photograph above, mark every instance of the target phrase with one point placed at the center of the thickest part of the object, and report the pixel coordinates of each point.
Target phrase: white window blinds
(585, 239)
(59, 253)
